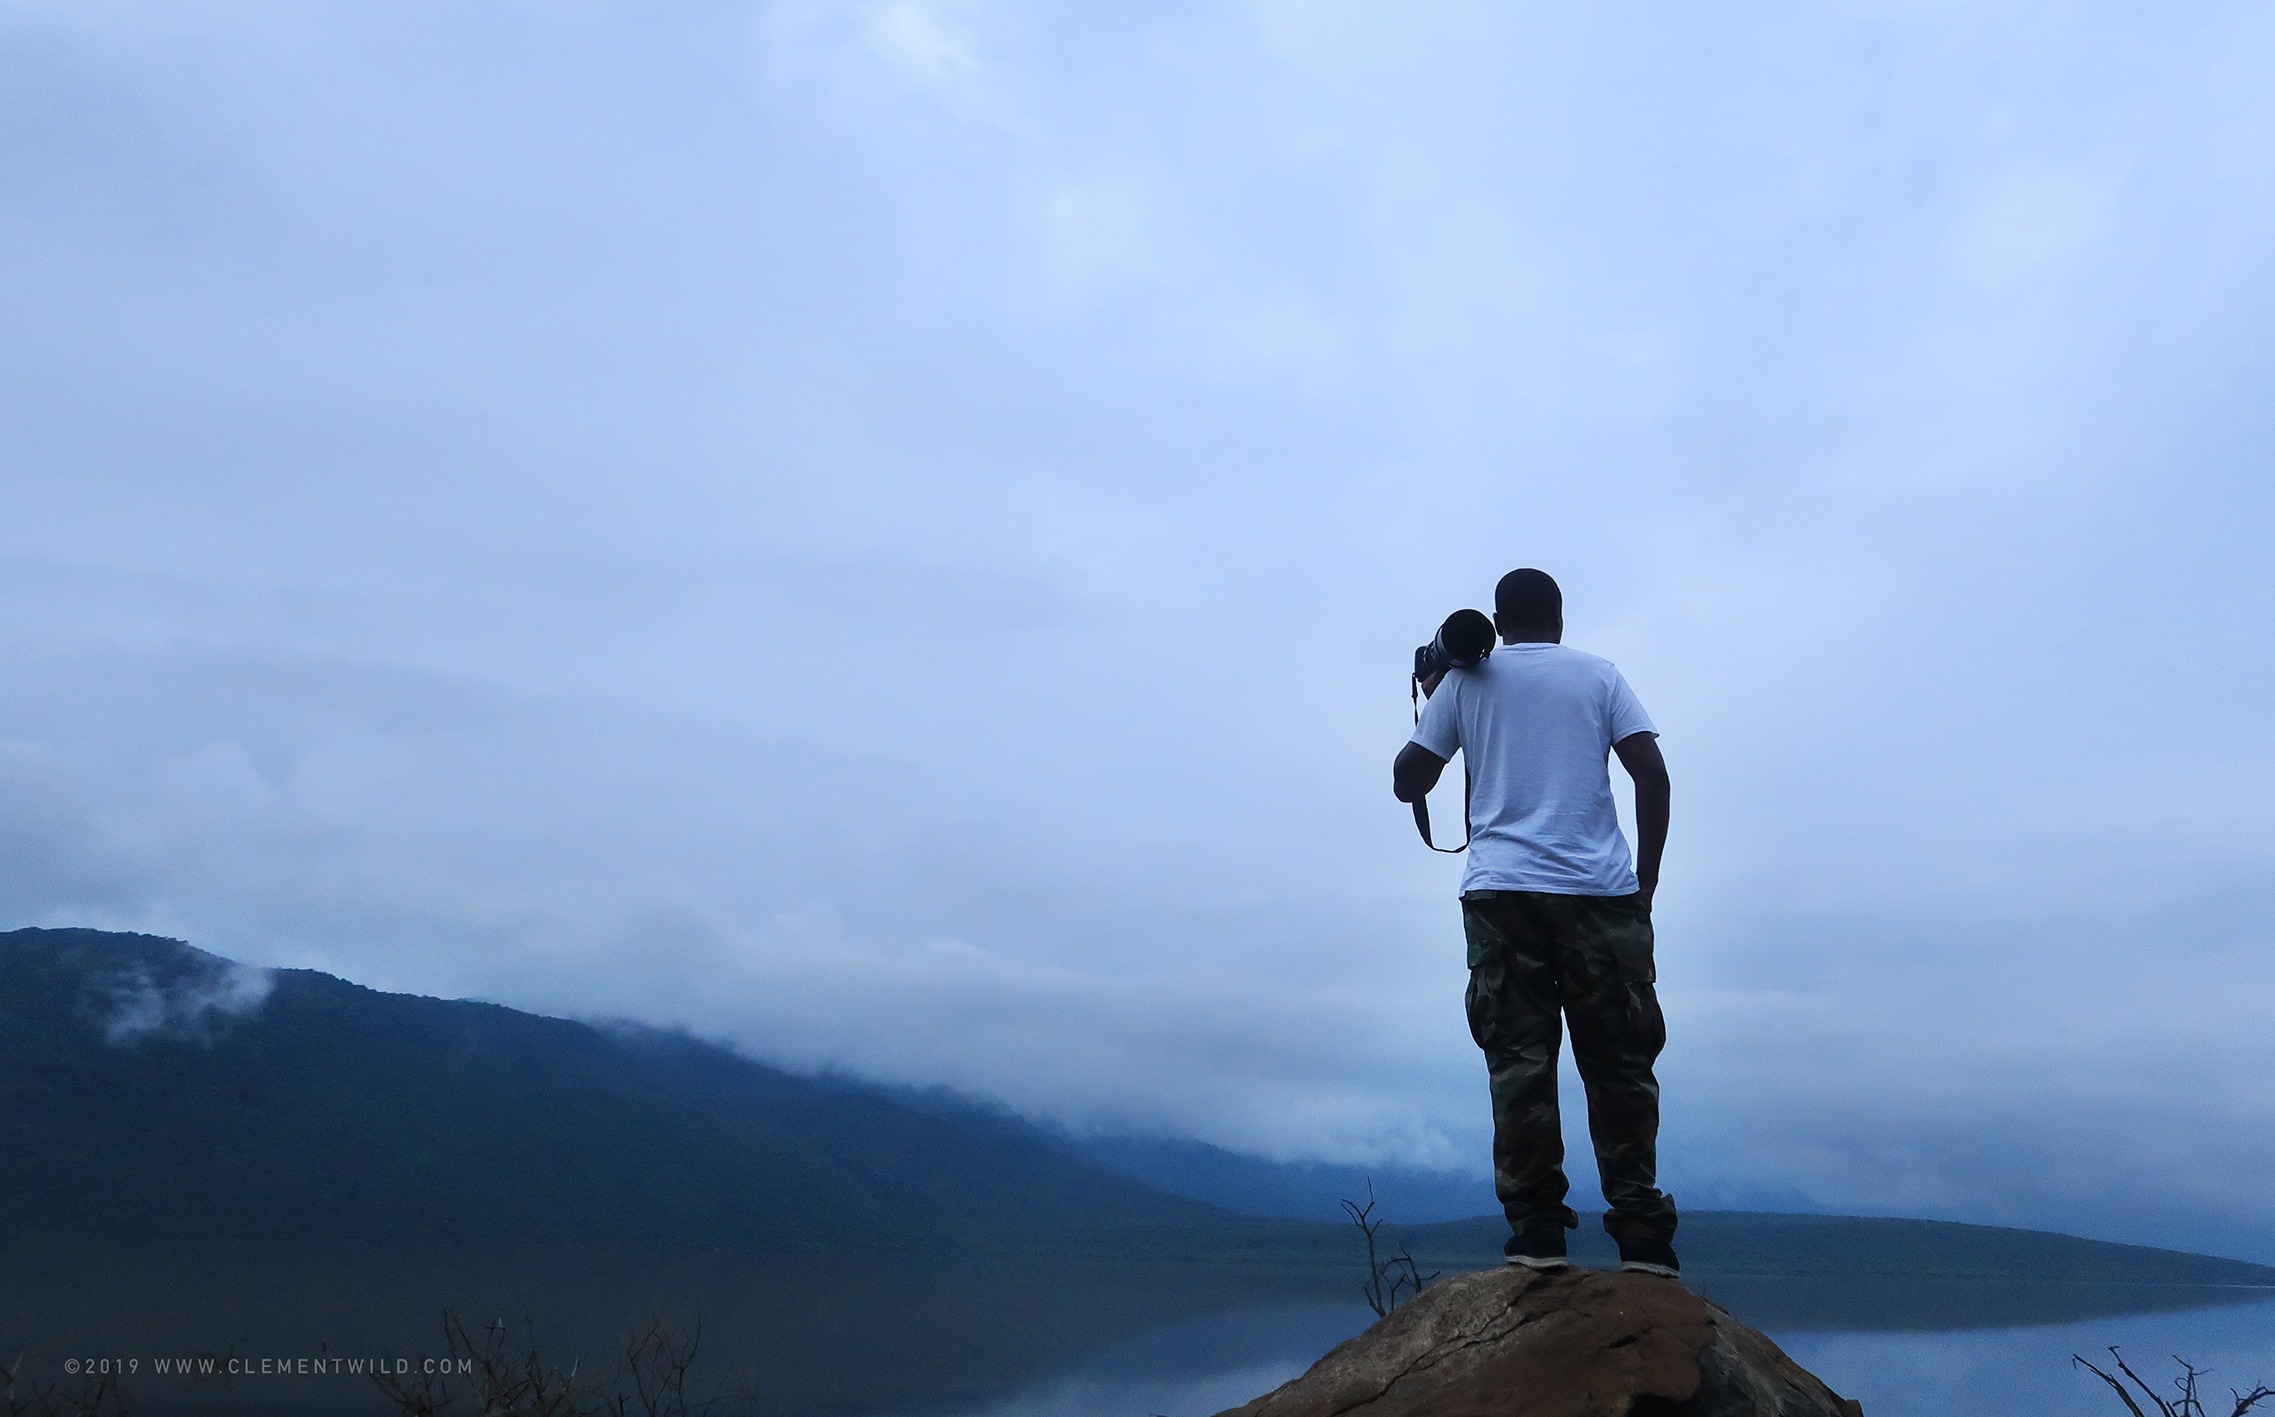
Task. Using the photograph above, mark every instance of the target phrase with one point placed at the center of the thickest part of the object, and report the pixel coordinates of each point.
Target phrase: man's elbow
(1415, 773)
(1401, 783)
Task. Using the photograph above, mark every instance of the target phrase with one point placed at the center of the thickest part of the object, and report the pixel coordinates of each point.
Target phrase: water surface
(1032, 1338)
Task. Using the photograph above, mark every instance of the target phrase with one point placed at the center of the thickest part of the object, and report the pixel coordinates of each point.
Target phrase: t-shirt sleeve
(1440, 728)
(1627, 715)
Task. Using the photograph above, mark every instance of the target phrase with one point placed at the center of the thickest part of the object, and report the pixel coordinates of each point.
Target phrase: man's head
(1527, 606)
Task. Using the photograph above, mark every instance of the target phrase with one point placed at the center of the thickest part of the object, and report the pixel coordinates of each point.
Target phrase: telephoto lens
(1463, 640)
(1466, 637)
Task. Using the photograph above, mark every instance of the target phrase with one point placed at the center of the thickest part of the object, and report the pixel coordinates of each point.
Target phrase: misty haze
(741, 661)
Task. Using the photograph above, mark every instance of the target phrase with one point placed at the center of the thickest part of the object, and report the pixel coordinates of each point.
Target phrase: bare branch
(509, 1377)
(2187, 1389)
(2115, 1386)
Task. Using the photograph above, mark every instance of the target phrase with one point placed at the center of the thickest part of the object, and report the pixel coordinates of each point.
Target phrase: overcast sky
(892, 534)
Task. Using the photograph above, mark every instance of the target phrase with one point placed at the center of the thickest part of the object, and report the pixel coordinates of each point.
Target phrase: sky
(891, 535)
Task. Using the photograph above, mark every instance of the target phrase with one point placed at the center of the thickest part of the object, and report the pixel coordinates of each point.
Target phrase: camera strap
(1422, 818)
(1422, 804)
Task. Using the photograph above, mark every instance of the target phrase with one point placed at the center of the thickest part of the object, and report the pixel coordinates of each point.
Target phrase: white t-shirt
(1535, 723)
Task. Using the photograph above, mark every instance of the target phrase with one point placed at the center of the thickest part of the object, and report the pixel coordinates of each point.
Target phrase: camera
(1463, 640)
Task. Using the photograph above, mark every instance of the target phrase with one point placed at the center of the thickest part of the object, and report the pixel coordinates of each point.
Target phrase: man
(1557, 918)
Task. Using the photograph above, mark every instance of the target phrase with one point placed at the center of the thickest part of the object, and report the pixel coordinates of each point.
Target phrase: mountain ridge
(1230, 1180)
(327, 1110)
(162, 1094)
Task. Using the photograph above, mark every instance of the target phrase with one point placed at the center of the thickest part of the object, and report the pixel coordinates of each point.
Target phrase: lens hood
(1465, 638)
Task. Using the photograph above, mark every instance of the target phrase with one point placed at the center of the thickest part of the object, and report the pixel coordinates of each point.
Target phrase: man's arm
(1639, 754)
(1416, 772)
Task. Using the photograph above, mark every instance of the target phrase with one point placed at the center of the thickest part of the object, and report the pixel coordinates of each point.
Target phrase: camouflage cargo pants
(1538, 961)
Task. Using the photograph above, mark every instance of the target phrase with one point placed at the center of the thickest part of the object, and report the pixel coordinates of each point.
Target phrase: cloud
(891, 534)
(193, 1008)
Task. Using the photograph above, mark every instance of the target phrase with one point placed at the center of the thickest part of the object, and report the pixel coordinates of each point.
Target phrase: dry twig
(105, 1396)
(2186, 1400)
(494, 1376)
(1386, 1274)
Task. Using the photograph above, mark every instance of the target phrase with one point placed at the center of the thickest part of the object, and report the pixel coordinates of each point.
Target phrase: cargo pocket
(1486, 970)
(1477, 1004)
(1628, 939)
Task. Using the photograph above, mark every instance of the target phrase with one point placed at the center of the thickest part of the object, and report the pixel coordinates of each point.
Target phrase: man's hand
(1430, 685)
(1639, 754)
(1415, 773)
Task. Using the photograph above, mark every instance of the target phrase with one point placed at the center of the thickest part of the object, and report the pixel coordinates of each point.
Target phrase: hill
(1230, 1180)
(157, 1092)
(1749, 1243)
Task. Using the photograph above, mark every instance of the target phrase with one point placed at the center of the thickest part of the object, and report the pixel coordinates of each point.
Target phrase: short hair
(1528, 597)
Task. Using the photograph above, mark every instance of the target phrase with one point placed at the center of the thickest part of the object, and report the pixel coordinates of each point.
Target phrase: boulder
(1579, 1343)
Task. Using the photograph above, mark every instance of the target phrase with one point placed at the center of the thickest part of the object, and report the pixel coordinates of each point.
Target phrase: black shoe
(1537, 1247)
(1648, 1257)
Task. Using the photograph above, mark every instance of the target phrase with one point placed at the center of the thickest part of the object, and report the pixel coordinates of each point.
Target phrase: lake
(1026, 1338)
(1197, 1369)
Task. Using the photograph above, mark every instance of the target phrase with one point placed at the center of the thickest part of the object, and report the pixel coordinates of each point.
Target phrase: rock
(1580, 1343)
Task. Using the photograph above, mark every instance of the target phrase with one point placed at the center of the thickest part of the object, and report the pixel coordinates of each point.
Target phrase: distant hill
(1230, 1180)
(1731, 1242)
(1301, 1190)
(153, 1091)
